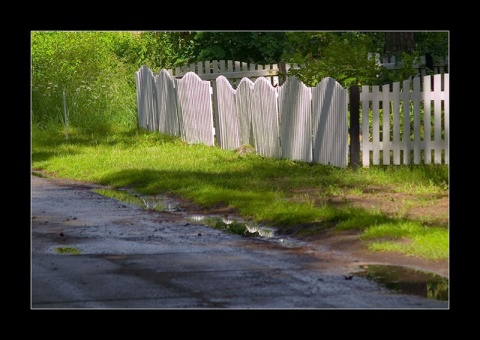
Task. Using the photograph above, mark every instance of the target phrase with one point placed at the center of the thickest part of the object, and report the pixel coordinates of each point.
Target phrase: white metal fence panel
(227, 121)
(145, 98)
(295, 112)
(265, 119)
(166, 104)
(195, 110)
(243, 103)
(330, 124)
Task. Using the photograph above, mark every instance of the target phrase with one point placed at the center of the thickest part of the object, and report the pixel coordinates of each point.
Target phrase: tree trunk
(397, 42)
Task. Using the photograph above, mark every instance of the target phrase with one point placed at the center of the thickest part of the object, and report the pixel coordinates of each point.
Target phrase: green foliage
(341, 57)
(167, 49)
(435, 43)
(87, 68)
(404, 72)
(251, 47)
(344, 56)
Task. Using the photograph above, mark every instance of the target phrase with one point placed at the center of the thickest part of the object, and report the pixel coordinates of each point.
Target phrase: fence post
(354, 126)
(282, 69)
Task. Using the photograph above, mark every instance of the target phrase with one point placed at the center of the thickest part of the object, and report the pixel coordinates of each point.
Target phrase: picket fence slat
(396, 123)
(386, 124)
(446, 103)
(405, 97)
(438, 121)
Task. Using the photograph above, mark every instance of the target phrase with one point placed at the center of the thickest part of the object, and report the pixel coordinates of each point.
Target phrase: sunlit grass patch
(67, 250)
(409, 238)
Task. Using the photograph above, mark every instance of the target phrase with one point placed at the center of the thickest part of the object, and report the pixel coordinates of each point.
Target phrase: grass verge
(295, 197)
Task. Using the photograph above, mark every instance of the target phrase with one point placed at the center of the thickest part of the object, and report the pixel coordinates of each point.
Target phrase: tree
(397, 42)
(339, 55)
(251, 47)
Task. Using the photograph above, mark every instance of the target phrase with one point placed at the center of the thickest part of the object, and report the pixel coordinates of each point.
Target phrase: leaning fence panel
(330, 124)
(295, 110)
(243, 104)
(265, 119)
(227, 121)
(145, 98)
(167, 116)
(195, 110)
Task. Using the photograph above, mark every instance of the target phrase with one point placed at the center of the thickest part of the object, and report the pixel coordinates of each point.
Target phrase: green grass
(426, 242)
(277, 192)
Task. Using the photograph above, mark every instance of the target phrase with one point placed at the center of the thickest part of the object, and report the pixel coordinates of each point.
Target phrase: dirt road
(90, 251)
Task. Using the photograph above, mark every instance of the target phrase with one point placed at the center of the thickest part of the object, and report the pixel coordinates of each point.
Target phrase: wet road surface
(89, 251)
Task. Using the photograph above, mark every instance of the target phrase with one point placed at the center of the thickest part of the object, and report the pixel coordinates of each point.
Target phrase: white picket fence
(439, 67)
(298, 122)
(406, 124)
(234, 71)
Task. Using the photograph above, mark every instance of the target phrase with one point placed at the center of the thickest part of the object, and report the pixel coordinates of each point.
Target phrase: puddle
(234, 225)
(407, 280)
(230, 225)
(157, 203)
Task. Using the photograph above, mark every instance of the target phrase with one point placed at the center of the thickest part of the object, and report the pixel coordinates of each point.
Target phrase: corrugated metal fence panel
(265, 119)
(330, 124)
(294, 101)
(227, 122)
(145, 98)
(195, 110)
(243, 103)
(166, 104)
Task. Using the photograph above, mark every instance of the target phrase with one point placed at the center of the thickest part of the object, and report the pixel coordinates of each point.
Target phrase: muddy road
(89, 251)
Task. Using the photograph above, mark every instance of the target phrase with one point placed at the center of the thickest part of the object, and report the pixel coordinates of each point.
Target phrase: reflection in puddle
(233, 225)
(229, 225)
(407, 280)
(142, 201)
